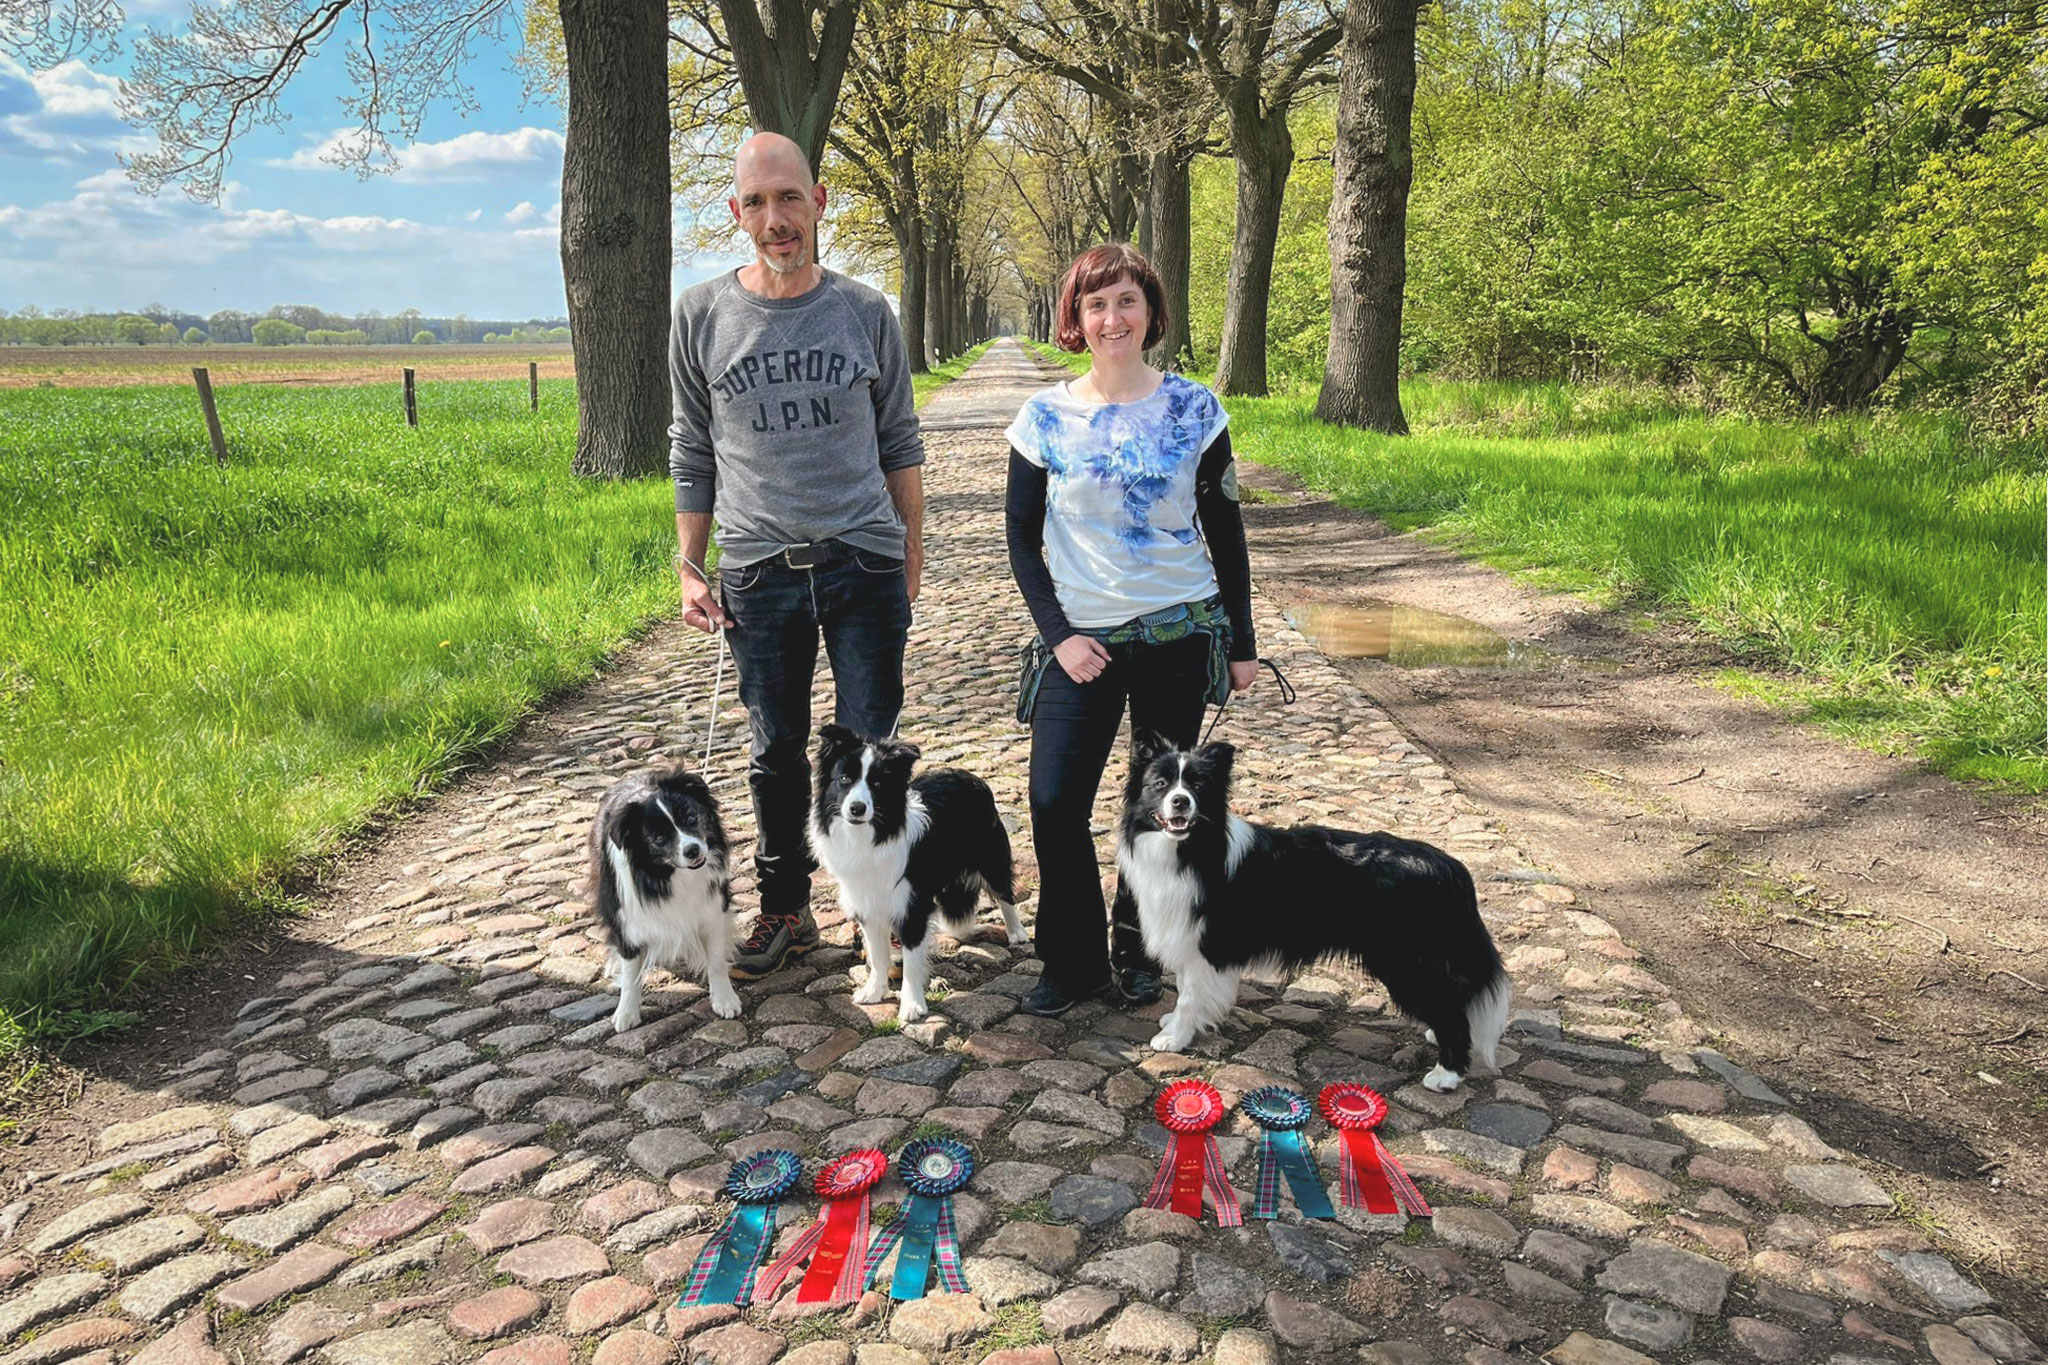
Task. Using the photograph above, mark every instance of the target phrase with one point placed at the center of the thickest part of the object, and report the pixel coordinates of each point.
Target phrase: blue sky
(465, 225)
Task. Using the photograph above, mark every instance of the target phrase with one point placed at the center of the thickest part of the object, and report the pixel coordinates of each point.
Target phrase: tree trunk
(1862, 354)
(615, 232)
(790, 76)
(1265, 156)
(1166, 198)
(910, 294)
(1369, 217)
(1125, 209)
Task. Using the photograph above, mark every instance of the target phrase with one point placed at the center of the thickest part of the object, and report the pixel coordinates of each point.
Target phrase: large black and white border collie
(664, 895)
(904, 848)
(1218, 895)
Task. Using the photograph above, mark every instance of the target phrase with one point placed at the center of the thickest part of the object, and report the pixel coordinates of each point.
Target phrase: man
(794, 422)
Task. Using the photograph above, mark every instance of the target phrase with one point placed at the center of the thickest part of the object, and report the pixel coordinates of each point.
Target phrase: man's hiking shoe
(1138, 986)
(1049, 1000)
(775, 939)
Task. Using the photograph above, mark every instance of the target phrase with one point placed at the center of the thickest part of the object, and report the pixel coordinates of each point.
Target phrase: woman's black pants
(1073, 728)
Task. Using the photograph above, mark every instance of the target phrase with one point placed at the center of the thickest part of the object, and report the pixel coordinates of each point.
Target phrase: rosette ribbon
(1189, 1110)
(933, 1168)
(724, 1272)
(1373, 1180)
(1280, 1114)
(838, 1242)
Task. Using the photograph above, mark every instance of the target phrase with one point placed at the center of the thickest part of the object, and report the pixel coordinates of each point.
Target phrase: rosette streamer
(1189, 1110)
(1281, 1114)
(933, 1168)
(838, 1242)
(1373, 1180)
(724, 1272)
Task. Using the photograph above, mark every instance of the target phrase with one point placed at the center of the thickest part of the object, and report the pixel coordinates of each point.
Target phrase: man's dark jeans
(1073, 729)
(859, 602)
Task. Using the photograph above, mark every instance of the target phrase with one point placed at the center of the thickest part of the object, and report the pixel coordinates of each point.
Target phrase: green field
(1881, 576)
(210, 675)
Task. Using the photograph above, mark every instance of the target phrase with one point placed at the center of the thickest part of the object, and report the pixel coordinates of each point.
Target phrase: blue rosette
(725, 1269)
(1281, 1114)
(933, 1169)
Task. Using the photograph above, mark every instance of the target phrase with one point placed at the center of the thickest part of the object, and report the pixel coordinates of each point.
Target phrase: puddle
(1411, 637)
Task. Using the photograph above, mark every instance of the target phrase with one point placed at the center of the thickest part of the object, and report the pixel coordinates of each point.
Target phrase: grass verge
(210, 675)
(1882, 576)
(925, 385)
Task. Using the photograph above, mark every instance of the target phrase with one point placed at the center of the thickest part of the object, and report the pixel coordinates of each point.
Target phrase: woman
(1126, 542)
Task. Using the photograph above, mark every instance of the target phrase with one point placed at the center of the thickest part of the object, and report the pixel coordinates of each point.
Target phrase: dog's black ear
(904, 751)
(1218, 758)
(690, 785)
(837, 739)
(1147, 745)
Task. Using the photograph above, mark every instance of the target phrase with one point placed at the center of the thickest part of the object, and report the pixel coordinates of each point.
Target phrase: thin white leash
(717, 678)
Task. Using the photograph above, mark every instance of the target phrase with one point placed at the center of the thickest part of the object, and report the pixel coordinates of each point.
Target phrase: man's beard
(797, 263)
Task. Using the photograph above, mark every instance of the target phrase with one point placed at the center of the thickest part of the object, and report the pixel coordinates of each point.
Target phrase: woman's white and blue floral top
(1121, 537)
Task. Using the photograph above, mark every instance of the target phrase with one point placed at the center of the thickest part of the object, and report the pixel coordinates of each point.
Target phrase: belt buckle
(805, 556)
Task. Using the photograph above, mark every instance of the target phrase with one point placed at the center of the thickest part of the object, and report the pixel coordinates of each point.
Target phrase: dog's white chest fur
(1166, 892)
(686, 926)
(870, 872)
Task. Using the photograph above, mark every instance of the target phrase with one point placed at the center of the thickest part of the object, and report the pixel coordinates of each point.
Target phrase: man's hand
(1243, 673)
(913, 569)
(700, 604)
(1082, 656)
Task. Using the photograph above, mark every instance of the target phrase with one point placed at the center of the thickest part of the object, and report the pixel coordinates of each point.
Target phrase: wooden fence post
(204, 382)
(412, 411)
(533, 384)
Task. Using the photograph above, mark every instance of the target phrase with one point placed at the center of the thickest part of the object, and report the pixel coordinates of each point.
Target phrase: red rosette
(1189, 1106)
(853, 1174)
(1188, 1110)
(1373, 1179)
(1351, 1107)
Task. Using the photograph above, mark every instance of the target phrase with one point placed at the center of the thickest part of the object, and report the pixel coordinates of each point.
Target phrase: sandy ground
(1875, 932)
(75, 367)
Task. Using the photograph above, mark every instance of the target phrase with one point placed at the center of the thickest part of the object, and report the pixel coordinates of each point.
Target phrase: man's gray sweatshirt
(788, 412)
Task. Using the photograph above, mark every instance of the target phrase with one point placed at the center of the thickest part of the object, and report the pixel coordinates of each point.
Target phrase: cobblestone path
(427, 1146)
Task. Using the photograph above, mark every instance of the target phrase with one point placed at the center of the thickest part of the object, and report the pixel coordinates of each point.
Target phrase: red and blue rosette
(933, 1168)
(1281, 1114)
(1373, 1180)
(724, 1272)
(1189, 1109)
(838, 1242)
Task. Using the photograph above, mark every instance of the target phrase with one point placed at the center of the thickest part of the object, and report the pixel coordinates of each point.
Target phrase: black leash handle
(1287, 697)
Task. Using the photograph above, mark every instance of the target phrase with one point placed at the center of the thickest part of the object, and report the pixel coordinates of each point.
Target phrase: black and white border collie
(904, 848)
(664, 895)
(1218, 895)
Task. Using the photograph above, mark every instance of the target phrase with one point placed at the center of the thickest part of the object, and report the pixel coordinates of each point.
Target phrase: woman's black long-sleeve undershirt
(1217, 514)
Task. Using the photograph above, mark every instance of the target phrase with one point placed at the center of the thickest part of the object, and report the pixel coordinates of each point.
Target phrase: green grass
(1882, 576)
(210, 676)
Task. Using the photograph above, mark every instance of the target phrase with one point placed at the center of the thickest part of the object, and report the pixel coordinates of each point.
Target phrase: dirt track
(1874, 931)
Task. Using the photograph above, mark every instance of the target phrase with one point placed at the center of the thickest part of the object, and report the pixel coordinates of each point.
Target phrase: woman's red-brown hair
(1098, 268)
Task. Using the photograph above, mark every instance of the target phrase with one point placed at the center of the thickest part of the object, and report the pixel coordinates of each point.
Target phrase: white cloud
(63, 114)
(469, 156)
(472, 216)
(522, 213)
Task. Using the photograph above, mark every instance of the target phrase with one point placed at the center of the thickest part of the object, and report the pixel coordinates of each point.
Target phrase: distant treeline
(284, 325)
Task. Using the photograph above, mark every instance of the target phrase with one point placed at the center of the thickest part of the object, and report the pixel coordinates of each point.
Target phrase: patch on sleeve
(1228, 483)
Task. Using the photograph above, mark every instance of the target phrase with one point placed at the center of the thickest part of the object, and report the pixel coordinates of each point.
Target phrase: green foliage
(132, 330)
(277, 332)
(210, 674)
(195, 336)
(1892, 565)
(423, 337)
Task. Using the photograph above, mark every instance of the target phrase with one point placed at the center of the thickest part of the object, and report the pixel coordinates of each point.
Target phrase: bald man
(794, 426)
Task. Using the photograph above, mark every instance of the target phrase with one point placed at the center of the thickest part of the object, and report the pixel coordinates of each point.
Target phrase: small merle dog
(1218, 895)
(904, 848)
(658, 870)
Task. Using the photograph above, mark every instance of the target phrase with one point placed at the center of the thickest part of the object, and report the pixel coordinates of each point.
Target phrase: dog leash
(1287, 696)
(718, 677)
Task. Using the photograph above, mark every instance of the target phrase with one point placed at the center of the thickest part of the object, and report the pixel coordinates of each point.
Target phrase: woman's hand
(1082, 656)
(1243, 673)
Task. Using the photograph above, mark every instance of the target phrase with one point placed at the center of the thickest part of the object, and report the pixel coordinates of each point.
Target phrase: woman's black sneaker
(1049, 1000)
(1138, 986)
